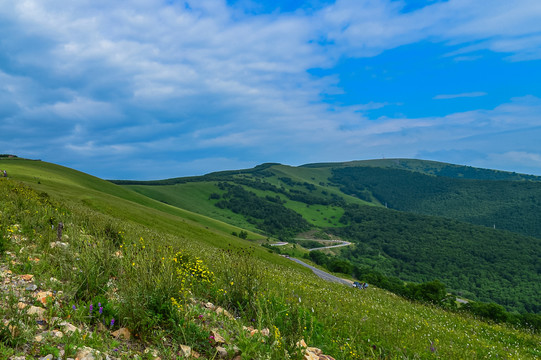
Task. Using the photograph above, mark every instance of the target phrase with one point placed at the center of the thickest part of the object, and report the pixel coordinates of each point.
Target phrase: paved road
(323, 274)
(342, 243)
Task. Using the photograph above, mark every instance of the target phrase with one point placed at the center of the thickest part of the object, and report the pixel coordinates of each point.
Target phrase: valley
(126, 262)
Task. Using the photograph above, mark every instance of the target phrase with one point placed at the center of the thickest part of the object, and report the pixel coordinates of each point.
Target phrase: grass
(113, 241)
(194, 196)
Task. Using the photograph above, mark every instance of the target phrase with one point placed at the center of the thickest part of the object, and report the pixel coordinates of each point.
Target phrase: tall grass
(130, 271)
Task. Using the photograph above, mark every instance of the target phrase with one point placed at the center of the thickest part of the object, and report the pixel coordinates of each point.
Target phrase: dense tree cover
(310, 197)
(433, 292)
(269, 216)
(477, 262)
(510, 205)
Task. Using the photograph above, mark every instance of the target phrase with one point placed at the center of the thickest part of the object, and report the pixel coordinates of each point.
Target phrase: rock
(43, 295)
(314, 350)
(221, 351)
(87, 353)
(326, 357)
(220, 310)
(251, 330)
(27, 277)
(17, 358)
(69, 328)
(59, 244)
(38, 338)
(14, 331)
(21, 305)
(31, 287)
(265, 332)
(122, 333)
(34, 310)
(217, 337)
(48, 357)
(185, 351)
(195, 354)
(310, 356)
(301, 344)
(58, 334)
(210, 306)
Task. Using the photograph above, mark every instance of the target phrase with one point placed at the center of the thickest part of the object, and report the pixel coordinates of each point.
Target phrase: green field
(260, 288)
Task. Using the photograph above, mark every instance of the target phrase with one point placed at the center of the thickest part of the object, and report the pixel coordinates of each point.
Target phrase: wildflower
(112, 322)
(100, 310)
(74, 307)
(91, 308)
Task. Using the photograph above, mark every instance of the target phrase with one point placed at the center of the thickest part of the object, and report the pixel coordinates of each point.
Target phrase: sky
(154, 89)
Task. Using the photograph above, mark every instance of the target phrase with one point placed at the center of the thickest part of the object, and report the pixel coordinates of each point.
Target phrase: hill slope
(110, 242)
(411, 247)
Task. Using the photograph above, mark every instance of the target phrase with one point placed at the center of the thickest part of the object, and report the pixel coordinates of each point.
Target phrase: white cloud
(98, 77)
(462, 95)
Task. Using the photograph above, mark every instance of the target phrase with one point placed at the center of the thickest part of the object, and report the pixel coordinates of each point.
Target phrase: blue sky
(152, 89)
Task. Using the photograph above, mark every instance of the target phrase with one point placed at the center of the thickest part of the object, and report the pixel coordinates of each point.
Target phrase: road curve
(343, 243)
(324, 275)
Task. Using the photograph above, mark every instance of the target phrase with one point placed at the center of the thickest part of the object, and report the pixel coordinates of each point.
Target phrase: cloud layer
(201, 85)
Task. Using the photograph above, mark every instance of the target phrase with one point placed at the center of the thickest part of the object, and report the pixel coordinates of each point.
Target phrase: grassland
(145, 250)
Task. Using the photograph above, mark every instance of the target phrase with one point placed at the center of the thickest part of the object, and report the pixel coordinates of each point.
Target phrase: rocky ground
(32, 309)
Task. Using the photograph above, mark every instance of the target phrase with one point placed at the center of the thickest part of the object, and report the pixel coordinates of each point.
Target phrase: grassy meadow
(135, 263)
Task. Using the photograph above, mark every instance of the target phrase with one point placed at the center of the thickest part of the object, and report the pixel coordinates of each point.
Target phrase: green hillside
(476, 262)
(155, 270)
(481, 263)
(104, 196)
(431, 168)
(512, 205)
(295, 187)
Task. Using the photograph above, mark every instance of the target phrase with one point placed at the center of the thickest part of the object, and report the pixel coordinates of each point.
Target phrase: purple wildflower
(100, 310)
(112, 322)
(74, 307)
(91, 308)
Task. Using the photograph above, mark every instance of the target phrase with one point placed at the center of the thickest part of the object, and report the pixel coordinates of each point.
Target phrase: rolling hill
(155, 269)
(478, 230)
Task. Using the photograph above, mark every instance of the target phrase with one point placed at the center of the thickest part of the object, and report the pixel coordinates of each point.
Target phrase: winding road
(342, 243)
(322, 274)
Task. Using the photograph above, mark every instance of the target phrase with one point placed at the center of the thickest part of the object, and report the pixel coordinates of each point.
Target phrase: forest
(268, 215)
(473, 261)
(503, 204)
